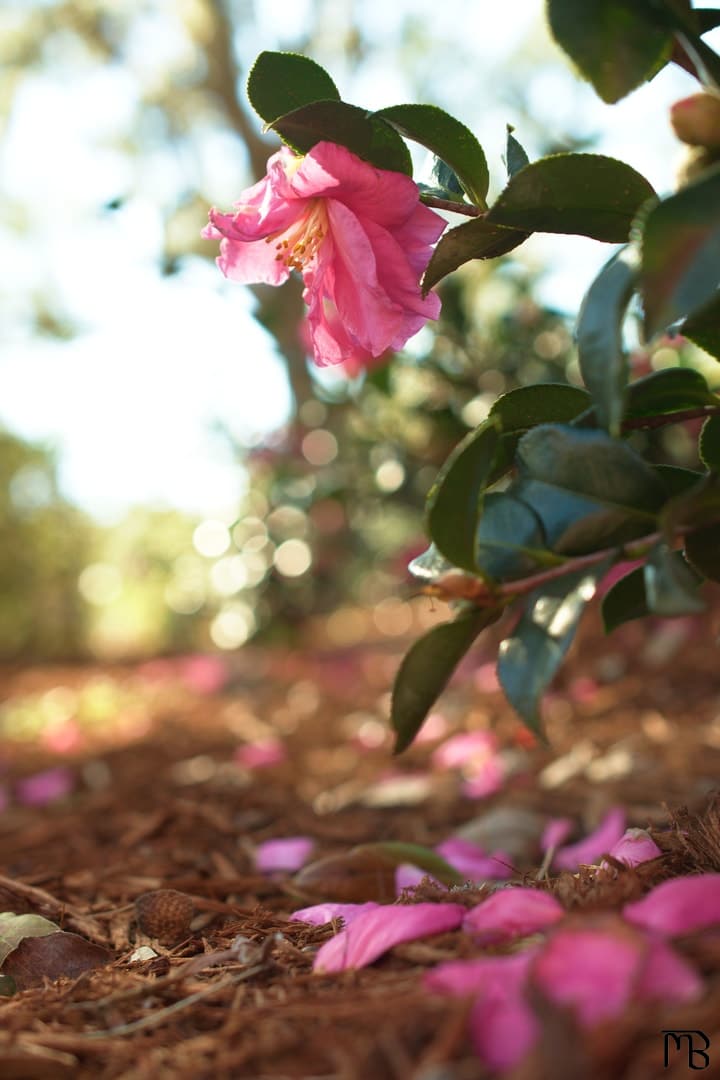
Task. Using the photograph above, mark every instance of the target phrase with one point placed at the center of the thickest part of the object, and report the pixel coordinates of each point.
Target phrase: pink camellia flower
(359, 236)
(512, 912)
(634, 847)
(374, 932)
(284, 855)
(679, 906)
(598, 843)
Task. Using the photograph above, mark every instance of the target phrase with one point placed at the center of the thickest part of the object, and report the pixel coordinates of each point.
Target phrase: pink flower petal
(374, 932)
(678, 906)
(319, 914)
(460, 749)
(591, 971)
(512, 912)
(484, 780)
(598, 843)
(556, 831)
(502, 1026)
(408, 876)
(634, 847)
(667, 976)
(284, 855)
(470, 860)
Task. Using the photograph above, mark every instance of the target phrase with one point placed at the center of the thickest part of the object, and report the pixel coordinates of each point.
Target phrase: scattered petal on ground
(667, 976)
(598, 843)
(636, 846)
(319, 914)
(470, 859)
(512, 912)
(284, 855)
(374, 932)
(261, 754)
(407, 876)
(678, 906)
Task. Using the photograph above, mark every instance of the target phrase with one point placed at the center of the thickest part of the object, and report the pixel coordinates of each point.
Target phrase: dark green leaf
(709, 444)
(603, 361)
(427, 668)
(530, 657)
(510, 539)
(448, 139)
(616, 44)
(681, 252)
(475, 239)
(702, 550)
(525, 407)
(590, 491)
(335, 121)
(281, 82)
(665, 392)
(708, 19)
(424, 858)
(692, 508)
(515, 156)
(586, 194)
(625, 601)
(454, 500)
(676, 480)
(704, 327)
(671, 586)
(443, 183)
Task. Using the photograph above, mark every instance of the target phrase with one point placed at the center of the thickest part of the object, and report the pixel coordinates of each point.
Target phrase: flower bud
(696, 120)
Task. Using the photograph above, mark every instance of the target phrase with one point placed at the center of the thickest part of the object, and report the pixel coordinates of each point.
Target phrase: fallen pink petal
(360, 238)
(461, 751)
(591, 971)
(319, 914)
(374, 932)
(556, 833)
(475, 864)
(667, 976)
(407, 876)
(634, 847)
(483, 780)
(469, 977)
(598, 843)
(679, 906)
(283, 855)
(510, 913)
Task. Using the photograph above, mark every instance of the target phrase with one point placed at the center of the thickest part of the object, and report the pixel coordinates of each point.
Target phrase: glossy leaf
(681, 252)
(677, 480)
(702, 551)
(668, 391)
(603, 360)
(449, 139)
(335, 121)
(586, 194)
(476, 239)
(515, 156)
(709, 444)
(510, 539)
(708, 19)
(281, 82)
(671, 586)
(703, 327)
(427, 668)
(424, 858)
(616, 44)
(442, 182)
(525, 407)
(625, 601)
(454, 500)
(529, 659)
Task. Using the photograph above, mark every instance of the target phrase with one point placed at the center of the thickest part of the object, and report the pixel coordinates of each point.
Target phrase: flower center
(300, 243)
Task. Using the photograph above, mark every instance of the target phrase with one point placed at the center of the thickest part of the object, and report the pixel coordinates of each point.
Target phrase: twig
(455, 207)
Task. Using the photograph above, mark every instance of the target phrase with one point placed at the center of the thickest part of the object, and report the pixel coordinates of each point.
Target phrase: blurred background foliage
(334, 499)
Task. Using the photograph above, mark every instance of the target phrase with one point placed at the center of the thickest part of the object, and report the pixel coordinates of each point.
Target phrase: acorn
(164, 914)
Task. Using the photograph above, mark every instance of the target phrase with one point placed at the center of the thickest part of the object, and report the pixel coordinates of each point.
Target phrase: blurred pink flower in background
(475, 754)
(261, 754)
(555, 832)
(359, 236)
(45, 787)
(473, 862)
(283, 856)
(203, 674)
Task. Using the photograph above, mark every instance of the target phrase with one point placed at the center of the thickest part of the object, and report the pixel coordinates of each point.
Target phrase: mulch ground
(160, 800)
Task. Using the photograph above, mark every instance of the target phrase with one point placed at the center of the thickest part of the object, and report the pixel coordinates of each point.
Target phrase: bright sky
(131, 401)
